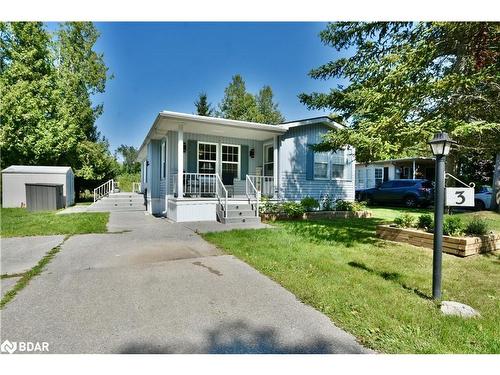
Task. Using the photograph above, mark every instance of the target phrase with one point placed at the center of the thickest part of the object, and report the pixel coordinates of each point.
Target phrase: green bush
(268, 207)
(477, 227)
(425, 221)
(125, 181)
(405, 220)
(452, 226)
(309, 203)
(292, 209)
(327, 203)
(342, 205)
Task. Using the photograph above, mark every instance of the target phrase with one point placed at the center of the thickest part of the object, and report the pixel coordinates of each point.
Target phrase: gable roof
(312, 121)
(36, 169)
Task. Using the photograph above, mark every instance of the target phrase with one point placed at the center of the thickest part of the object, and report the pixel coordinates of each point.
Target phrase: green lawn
(377, 290)
(20, 222)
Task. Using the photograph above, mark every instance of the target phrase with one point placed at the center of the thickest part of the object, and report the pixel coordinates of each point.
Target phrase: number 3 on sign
(461, 197)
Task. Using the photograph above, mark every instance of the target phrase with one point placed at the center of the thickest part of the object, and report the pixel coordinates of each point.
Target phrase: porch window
(321, 160)
(207, 157)
(268, 160)
(338, 164)
(378, 176)
(230, 162)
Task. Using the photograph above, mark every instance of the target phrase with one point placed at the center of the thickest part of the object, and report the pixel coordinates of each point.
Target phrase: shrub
(327, 203)
(309, 203)
(425, 221)
(405, 220)
(342, 205)
(125, 180)
(292, 209)
(452, 226)
(267, 207)
(477, 227)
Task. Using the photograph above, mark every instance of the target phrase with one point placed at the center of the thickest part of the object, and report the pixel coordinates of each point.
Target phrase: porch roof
(401, 160)
(167, 120)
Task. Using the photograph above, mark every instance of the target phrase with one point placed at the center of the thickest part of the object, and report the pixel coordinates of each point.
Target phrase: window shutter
(192, 156)
(244, 162)
(309, 164)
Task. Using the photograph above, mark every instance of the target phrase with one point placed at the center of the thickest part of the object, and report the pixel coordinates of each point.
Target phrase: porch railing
(221, 195)
(264, 184)
(252, 193)
(196, 185)
(136, 187)
(104, 190)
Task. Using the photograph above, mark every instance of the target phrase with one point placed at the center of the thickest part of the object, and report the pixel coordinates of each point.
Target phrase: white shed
(15, 177)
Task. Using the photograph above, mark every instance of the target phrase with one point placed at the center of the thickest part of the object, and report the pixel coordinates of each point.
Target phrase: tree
(129, 154)
(268, 112)
(407, 81)
(238, 104)
(203, 107)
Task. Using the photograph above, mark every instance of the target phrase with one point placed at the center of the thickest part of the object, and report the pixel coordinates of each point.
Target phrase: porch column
(180, 162)
(276, 164)
(414, 174)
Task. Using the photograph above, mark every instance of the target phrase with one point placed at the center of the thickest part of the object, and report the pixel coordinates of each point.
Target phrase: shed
(44, 197)
(15, 178)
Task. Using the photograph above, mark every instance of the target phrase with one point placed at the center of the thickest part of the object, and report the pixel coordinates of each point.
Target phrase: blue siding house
(197, 168)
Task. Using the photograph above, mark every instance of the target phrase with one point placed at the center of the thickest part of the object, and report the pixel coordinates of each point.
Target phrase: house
(15, 178)
(197, 168)
(370, 175)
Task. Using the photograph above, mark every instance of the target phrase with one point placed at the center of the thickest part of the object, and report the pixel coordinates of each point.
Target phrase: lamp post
(440, 146)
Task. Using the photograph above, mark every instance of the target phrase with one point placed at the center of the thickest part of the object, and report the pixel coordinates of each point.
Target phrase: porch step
(237, 213)
(240, 213)
(119, 202)
(236, 220)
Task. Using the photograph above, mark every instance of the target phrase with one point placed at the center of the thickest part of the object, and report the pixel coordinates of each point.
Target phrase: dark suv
(411, 193)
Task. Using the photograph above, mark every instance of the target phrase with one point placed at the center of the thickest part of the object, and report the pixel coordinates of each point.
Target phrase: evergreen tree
(129, 154)
(238, 104)
(267, 109)
(203, 107)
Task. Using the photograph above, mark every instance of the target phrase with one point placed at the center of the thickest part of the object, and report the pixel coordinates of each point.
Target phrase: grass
(377, 290)
(27, 276)
(20, 222)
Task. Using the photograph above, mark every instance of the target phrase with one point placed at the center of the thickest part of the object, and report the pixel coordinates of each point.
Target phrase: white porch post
(276, 163)
(414, 174)
(180, 162)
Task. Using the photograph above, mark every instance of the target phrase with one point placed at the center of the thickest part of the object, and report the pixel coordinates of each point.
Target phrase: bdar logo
(9, 347)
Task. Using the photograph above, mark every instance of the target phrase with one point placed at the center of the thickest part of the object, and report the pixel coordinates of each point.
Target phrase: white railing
(136, 187)
(104, 189)
(264, 184)
(252, 193)
(196, 185)
(221, 192)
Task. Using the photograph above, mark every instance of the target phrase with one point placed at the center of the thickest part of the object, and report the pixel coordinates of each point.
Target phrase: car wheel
(479, 205)
(410, 202)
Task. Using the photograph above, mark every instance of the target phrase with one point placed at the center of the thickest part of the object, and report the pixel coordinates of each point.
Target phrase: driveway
(157, 287)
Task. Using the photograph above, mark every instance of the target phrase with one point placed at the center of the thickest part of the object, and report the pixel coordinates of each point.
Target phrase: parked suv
(411, 193)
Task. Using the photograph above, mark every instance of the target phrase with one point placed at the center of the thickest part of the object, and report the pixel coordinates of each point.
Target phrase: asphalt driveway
(157, 287)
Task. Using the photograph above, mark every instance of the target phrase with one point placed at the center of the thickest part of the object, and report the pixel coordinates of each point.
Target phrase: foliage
(292, 209)
(238, 104)
(407, 81)
(18, 222)
(405, 220)
(452, 225)
(342, 205)
(129, 164)
(315, 260)
(477, 227)
(47, 86)
(203, 107)
(309, 204)
(326, 203)
(125, 180)
(425, 221)
(476, 167)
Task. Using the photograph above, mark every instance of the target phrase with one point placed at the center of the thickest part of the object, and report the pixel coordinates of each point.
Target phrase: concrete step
(240, 213)
(237, 206)
(235, 220)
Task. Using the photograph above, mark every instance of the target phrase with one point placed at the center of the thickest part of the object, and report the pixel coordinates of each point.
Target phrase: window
(207, 157)
(163, 163)
(321, 160)
(379, 172)
(268, 160)
(338, 164)
(230, 161)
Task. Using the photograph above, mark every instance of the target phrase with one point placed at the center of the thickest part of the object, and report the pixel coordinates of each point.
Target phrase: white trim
(231, 162)
(208, 161)
(163, 160)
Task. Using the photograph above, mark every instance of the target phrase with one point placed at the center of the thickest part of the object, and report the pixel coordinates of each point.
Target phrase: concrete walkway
(157, 287)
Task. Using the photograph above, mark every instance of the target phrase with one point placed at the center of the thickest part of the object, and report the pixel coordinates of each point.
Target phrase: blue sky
(163, 66)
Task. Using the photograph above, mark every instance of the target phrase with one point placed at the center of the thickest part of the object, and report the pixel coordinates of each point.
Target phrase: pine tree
(268, 110)
(203, 107)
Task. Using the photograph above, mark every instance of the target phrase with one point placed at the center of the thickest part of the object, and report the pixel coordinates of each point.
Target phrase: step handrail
(104, 190)
(251, 190)
(220, 187)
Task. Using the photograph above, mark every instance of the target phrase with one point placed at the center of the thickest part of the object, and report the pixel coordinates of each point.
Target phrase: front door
(386, 174)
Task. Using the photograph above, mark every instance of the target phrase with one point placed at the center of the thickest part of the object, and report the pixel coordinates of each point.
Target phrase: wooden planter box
(461, 246)
(318, 215)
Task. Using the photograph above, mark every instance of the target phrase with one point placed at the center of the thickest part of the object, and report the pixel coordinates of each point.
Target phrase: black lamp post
(440, 146)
